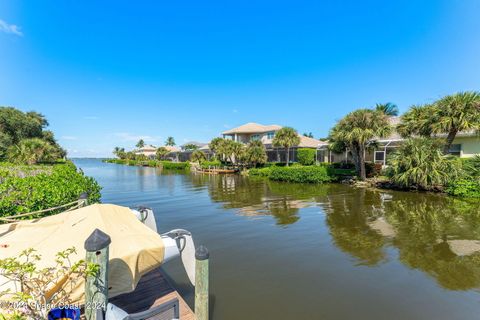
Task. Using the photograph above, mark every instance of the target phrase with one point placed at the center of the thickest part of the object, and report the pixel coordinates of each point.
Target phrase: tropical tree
(449, 115)
(255, 153)
(116, 151)
(190, 147)
(140, 144)
(198, 156)
(161, 153)
(419, 163)
(389, 108)
(170, 141)
(417, 121)
(286, 138)
(358, 128)
(32, 151)
(455, 113)
(215, 145)
(308, 135)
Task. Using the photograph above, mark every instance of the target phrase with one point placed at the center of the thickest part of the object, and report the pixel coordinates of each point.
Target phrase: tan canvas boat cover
(134, 251)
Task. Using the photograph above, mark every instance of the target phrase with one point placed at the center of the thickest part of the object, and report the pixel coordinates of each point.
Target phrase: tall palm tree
(140, 144)
(389, 108)
(356, 129)
(116, 151)
(255, 153)
(455, 113)
(286, 137)
(170, 141)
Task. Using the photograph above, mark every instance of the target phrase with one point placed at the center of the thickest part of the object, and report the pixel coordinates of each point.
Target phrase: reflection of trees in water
(348, 225)
(423, 223)
(254, 197)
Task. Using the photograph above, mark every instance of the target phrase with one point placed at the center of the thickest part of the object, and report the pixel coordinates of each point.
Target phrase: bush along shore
(28, 188)
(168, 165)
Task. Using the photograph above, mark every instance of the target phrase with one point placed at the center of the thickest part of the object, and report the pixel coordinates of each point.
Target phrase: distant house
(148, 150)
(265, 133)
(197, 144)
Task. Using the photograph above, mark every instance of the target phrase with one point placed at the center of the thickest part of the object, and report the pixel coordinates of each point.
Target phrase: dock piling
(83, 200)
(96, 287)
(201, 283)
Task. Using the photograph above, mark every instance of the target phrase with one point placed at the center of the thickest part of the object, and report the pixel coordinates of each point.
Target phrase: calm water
(287, 251)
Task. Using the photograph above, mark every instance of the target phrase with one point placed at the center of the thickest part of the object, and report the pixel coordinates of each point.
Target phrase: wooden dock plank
(152, 290)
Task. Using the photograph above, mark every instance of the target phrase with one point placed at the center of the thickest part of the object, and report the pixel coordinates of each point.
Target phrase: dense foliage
(449, 115)
(356, 130)
(24, 140)
(299, 174)
(169, 165)
(468, 183)
(306, 156)
(198, 156)
(30, 188)
(419, 163)
(236, 153)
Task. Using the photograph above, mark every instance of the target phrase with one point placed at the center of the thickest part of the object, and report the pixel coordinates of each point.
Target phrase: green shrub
(260, 172)
(174, 165)
(307, 174)
(207, 164)
(468, 188)
(306, 156)
(47, 187)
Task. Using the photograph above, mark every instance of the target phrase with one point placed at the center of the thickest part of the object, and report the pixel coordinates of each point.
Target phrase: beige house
(265, 133)
(150, 151)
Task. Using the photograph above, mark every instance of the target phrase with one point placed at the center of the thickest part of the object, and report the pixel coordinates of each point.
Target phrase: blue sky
(106, 73)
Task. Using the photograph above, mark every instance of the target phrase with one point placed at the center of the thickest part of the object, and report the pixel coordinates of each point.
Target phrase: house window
(270, 135)
(255, 137)
(379, 156)
(455, 149)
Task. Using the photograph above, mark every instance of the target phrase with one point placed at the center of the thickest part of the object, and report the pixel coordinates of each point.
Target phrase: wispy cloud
(10, 28)
(68, 138)
(90, 118)
(125, 136)
(226, 126)
(235, 111)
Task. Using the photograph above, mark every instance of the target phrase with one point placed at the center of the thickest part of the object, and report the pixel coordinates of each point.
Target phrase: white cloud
(125, 136)
(235, 111)
(90, 118)
(68, 138)
(10, 28)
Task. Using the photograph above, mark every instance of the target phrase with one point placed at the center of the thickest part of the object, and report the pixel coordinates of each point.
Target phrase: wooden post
(83, 200)
(96, 287)
(201, 283)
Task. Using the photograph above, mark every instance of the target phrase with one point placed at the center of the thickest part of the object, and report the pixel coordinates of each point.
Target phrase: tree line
(24, 138)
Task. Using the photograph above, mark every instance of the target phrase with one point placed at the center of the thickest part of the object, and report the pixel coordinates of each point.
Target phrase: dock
(152, 290)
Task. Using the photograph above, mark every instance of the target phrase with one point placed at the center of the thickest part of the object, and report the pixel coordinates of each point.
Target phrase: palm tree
(286, 137)
(255, 153)
(449, 115)
(116, 151)
(417, 121)
(455, 113)
(198, 156)
(420, 163)
(389, 108)
(38, 117)
(31, 151)
(215, 145)
(358, 128)
(170, 141)
(161, 153)
(140, 144)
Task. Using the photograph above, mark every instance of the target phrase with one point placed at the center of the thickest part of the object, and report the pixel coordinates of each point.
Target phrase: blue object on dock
(67, 313)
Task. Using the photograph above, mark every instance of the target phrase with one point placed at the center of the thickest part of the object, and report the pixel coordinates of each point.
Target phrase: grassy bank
(35, 187)
(169, 165)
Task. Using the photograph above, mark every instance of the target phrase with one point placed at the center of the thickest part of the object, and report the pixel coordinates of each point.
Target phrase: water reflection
(432, 233)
